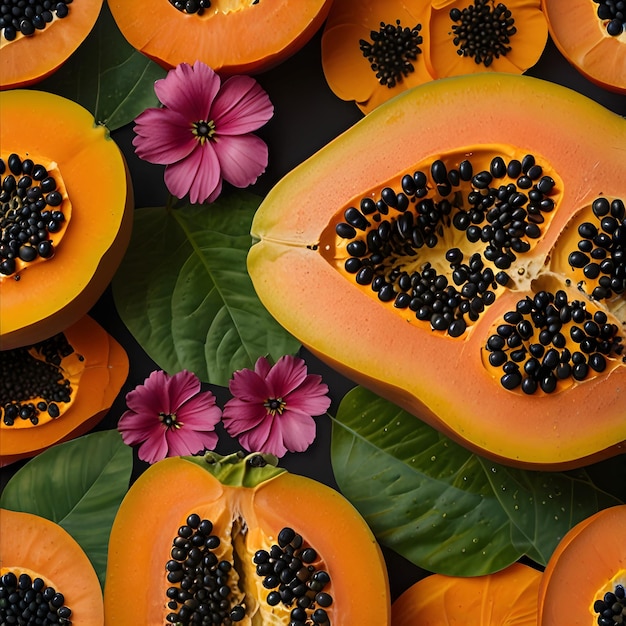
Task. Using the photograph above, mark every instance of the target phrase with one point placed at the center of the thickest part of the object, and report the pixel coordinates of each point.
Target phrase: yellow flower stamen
(275, 405)
(169, 420)
(203, 130)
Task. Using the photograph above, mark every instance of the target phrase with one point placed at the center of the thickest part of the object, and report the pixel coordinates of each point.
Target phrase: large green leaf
(184, 292)
(107, 76)
(79, 485)
(442, 507)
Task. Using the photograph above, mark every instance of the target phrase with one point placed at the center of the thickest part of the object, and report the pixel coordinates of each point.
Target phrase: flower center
(169, 420)
(275, 405)
(203, 130)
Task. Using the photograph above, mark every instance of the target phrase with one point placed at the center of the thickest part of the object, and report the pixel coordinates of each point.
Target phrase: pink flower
(203, 131)
(170, 416)
(272, 407)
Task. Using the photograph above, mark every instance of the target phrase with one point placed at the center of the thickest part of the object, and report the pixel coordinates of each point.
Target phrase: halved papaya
(231, 36)
(592, 37)
(66, 214)
(58, 388)
(42, 40)
(47, 571)
(505, 598)
(244, 541)
(449, 252)
(587, 573)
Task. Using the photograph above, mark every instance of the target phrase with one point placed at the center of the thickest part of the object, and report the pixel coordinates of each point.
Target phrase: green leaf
(107, 76)
(442, 507)
(184, 292)
(79, 485)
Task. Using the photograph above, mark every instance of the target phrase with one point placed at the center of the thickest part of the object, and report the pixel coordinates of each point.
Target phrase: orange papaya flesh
(507, 597)
(588, 571)
(46, 563)
(231, 36)
(439, 363)
(243, 517)
(591, 36)
(66, 204)
(42, 43)
(58, 389)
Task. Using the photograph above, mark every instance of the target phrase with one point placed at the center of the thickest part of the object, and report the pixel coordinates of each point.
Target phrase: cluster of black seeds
(29, 16)
(200, 593)
(501, 217)
(613, 13)
(392, 51)
(612, 608)
(601, 250)
(191, 6)
(531, 345)
(483, 31)
(288, 572)
(25, 377)
(29, 212)
(29, 602)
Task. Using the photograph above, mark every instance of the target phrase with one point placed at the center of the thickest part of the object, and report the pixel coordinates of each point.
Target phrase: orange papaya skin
(587, 563)
(232, 37)
(104, 370)
(296, 264)
(46, 297)
(171, 489)
(28, 60)
(47, 550)
(505, 598)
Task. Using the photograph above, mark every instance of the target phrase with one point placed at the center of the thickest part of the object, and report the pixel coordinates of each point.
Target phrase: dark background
(307, 116)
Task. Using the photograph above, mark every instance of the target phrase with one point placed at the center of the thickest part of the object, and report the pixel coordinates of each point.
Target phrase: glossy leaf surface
(442, 507)
(79, 485)
(107, 76)
(193, 306)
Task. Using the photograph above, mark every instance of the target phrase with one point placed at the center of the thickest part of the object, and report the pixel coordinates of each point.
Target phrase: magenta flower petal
(202, 131)
(170, 416)
(198, 175)
(249, 386)
(189, 90)
(242, 106)
(288, 373)
(242, 159)
(272, 407)
(163, 136)
(310, 397)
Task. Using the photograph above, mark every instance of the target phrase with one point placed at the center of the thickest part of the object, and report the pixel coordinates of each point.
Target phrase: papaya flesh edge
(250, 517)
(37, 546)
(51, 295)
(293, 264)
(104, 371)
(28, 60)
(505, 598)
(589, 561)
(581, 37)
(232, 37)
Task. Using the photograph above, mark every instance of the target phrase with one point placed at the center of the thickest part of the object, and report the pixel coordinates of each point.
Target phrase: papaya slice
(444, 236)
(47, 563)
(592, 37)
(505, 598)
(373, 50)
(66, 214)
(58, 389)
(241, 537)
(230, 36)
(34, 45)
(588, 568)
